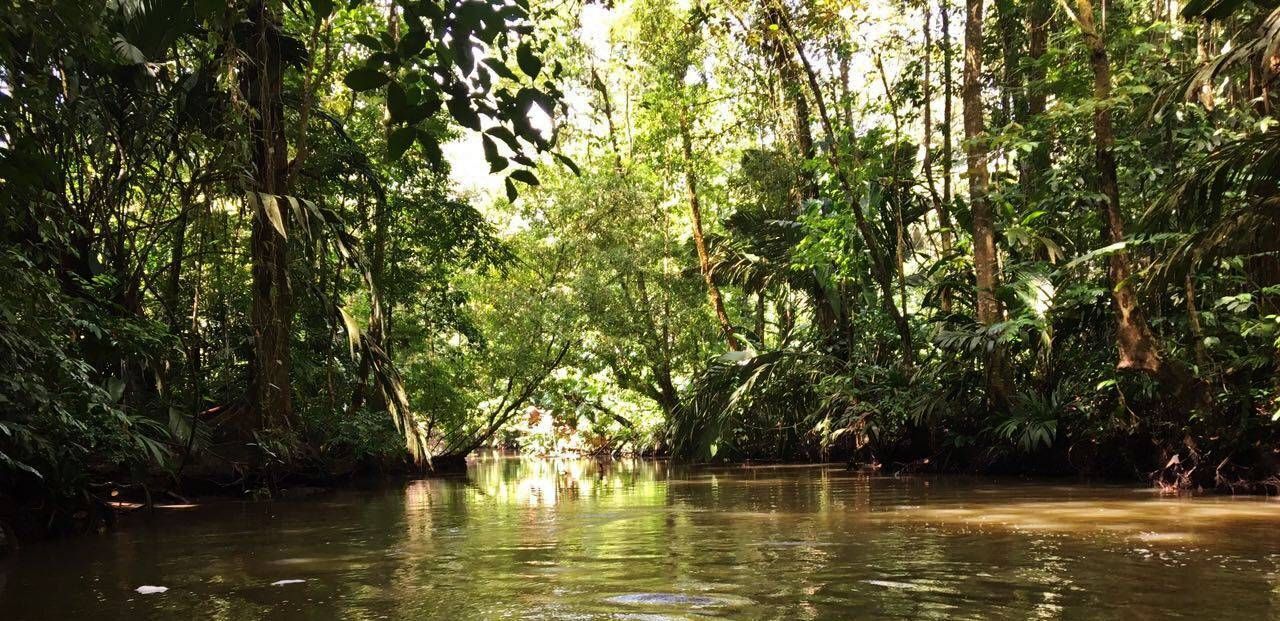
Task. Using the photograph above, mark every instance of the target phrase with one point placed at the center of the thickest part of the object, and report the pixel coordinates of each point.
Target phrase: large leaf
(431, 146)
(365, 79)
(529, 62)
(460, 108)
(322, 8)
(353, 330)
(491, 155)
(397, 102)
(524, 176)
(411, 43)
(268, 205)
(399, 141)
(1211, 9)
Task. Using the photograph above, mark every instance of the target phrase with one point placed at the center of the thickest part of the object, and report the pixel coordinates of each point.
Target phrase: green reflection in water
(580, 539)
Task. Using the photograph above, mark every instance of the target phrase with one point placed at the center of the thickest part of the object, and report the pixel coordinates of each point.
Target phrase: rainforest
(268, 249)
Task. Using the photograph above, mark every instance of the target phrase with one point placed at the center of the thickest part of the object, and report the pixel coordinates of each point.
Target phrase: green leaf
(322, 8)
(365, 79)
(369, 41)
(424, 110)
(431, 145)
(267, 204)
(524, 176)
(397, 102)
(411, 43)
(128, 52)
(463, 54)
(529, 62)
(471, 13)
(399, 141)
(271, 207)
(505, 135)
(115, 389)
(512, 194)
(568, 163)
(500, 68)
(460, 108)
(353, 330)
(491, 155)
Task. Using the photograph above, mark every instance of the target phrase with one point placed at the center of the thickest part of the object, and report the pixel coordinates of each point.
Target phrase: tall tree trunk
(1133, 336)
(939, 202)
(826, 317)
(985, 268)
(1193, 317)
(793, 90)
(380, 310)
(881, 271)
(800, 121)
(1138, 350)
(668, 397)
(927, 84)
(1204, 44)
(607, 107)
(1007, 26)
(1039, 13)
(900, 236)
(704, 258)
(948, 157)
(272, 303)
(760, 315)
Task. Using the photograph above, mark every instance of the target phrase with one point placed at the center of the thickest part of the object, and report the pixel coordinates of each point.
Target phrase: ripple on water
(679, 600)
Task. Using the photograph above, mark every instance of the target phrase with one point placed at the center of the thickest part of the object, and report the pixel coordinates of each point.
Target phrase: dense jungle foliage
(256, 242)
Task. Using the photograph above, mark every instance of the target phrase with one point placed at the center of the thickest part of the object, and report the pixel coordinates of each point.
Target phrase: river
(633, 539)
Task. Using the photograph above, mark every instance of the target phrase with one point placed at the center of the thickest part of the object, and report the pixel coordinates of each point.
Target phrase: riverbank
(113, 506)
(568, 538)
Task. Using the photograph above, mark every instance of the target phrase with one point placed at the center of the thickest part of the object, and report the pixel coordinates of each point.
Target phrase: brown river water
(632, 539)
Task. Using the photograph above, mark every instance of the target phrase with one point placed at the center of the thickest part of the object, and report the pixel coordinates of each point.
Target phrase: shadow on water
(585, 539)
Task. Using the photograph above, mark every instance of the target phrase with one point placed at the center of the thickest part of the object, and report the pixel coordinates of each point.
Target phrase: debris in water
(284, 582)
(147, 589)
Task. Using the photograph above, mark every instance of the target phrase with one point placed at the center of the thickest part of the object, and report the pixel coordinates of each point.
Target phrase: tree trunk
(380, 306)
(704, 258)
(985, 269)
(826, 318)
(948, 159)
(1007, 26)
(927, 83)
(1039, 13)
(272, 303)
(1204, 43)
(800, 116)
(1193, 317)
(667, 396)
(760, 316)
(1133, 336)
(880, 268)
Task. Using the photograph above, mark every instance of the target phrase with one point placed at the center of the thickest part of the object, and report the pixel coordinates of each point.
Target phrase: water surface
(578, 539)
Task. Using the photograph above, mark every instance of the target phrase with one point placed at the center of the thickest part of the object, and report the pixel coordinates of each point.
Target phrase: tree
(985, 262)
(263, 77)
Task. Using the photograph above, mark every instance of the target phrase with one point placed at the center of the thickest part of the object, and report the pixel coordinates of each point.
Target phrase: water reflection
(581, 539)
(548, 482)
